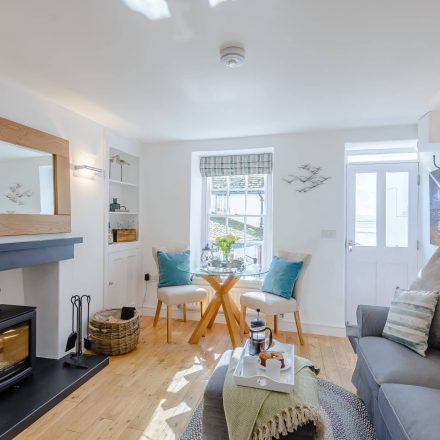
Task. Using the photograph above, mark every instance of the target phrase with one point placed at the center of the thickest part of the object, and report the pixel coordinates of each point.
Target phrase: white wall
(298, 218)
(84, 274)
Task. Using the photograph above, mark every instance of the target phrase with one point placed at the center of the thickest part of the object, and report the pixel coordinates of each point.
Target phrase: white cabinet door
(123, 279)
(116, 280)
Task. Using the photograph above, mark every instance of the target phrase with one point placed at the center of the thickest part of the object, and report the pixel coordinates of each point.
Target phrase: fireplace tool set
(78, 359)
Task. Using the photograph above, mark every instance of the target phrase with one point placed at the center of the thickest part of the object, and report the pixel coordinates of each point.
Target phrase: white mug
(273, 369)
(250, 365)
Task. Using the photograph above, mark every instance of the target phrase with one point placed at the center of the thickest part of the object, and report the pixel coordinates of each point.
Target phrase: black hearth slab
(33, 252)
(50, 383)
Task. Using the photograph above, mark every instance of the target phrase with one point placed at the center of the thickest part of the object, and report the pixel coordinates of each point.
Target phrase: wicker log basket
(112, 335)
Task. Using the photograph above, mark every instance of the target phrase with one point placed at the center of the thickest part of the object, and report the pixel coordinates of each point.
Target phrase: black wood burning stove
(17, 344)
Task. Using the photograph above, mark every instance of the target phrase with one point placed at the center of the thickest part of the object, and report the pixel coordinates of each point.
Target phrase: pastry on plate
(264, 355)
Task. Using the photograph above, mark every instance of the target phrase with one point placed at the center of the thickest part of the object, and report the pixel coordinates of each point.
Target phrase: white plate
(287, 364)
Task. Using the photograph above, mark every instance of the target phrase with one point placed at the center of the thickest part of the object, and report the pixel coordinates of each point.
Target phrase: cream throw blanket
(255, 414)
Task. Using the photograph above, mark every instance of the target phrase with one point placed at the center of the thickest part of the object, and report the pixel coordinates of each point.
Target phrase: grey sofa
(214, 421)
(400, 388)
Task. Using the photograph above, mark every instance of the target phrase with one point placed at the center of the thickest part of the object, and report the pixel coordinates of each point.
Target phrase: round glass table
(222, 281)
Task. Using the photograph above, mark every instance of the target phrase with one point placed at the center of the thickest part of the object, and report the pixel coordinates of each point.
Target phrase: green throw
(256, 414)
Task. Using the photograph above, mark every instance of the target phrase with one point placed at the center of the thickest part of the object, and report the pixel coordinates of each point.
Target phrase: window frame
(267, 216)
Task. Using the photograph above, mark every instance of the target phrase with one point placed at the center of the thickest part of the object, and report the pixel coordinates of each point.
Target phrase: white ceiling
(14, 152)
(311, 64)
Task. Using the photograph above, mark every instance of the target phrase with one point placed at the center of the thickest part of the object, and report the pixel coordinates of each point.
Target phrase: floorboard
(150, 393)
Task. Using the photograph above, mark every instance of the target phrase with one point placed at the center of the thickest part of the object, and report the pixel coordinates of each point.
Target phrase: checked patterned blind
(236, 165)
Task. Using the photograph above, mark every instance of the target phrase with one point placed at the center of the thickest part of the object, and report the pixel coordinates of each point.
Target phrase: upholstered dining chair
(273, 305)
(175, 295)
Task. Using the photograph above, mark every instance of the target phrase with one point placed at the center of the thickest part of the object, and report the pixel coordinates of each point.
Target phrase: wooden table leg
(206, 319)
(221, 298)
(237, 316)
(211, 323)
(230, 319)
(216, 284)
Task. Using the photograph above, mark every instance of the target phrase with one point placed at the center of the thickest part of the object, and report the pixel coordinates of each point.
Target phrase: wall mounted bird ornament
(309, 180)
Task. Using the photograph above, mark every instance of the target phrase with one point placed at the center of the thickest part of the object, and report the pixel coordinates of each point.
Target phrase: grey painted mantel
(34, 252)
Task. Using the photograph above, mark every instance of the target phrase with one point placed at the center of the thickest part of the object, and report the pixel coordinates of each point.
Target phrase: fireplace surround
(17, 344)
(33, 377)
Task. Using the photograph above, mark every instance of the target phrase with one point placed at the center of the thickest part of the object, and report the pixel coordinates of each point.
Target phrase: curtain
(238, 164)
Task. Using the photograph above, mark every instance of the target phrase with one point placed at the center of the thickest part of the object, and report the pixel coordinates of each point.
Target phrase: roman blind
(236, 165)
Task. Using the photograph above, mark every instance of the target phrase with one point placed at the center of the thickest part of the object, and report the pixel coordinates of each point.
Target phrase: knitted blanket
(255, 414)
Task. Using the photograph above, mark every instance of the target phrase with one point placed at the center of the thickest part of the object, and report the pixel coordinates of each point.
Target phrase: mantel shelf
(27, 253)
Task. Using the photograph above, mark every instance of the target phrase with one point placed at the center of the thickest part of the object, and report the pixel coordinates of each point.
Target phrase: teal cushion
(281, 277)
(169, 274)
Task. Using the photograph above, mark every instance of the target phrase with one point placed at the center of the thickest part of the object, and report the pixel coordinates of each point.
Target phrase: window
(239, 205)
(384, 157)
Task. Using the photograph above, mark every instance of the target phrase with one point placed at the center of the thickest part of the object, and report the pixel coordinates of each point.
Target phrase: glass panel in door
(365, 209)
(396, 217)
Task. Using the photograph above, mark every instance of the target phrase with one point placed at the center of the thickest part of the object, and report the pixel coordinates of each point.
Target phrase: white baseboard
(322, 329)
(283, 324)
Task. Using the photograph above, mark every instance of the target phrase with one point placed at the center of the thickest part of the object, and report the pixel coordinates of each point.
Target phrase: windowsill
(250, 283)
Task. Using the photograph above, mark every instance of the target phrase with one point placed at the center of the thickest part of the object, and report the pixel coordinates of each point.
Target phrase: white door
(123, 279)
(381, 247)
(117, 280)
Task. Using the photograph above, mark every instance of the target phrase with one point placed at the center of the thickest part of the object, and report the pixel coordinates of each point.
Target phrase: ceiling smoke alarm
(232, 56)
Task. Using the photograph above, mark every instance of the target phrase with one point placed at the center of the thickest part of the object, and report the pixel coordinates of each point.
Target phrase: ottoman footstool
(214, 420)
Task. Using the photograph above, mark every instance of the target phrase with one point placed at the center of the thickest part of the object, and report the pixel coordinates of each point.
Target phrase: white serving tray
(287, 377)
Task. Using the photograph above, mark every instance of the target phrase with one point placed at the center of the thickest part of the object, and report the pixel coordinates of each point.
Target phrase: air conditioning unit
(428, 129)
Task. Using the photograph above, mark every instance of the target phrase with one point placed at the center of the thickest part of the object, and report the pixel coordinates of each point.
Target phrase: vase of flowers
(225, 243)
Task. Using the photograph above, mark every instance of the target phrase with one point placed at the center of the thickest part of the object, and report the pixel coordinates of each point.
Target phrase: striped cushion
(409, 318)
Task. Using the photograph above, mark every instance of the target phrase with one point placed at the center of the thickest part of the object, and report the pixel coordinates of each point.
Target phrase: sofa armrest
(371, 320)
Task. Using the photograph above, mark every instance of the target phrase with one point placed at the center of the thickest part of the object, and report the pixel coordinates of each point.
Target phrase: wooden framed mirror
(34, 181)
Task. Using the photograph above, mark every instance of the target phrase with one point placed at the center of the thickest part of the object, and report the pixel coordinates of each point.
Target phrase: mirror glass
(26, 180)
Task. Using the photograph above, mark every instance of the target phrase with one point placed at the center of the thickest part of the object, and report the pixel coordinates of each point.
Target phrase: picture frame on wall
(434, 207)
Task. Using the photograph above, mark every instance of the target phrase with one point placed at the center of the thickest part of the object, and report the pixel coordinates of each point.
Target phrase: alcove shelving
(123, 185)
(123, 261)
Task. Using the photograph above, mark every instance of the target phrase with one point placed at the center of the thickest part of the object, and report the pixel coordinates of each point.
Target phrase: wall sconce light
(87, 171)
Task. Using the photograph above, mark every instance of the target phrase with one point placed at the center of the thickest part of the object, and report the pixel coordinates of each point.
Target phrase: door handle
(351, 244)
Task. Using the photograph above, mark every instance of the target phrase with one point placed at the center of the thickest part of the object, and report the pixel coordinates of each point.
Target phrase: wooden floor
(151, 392)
